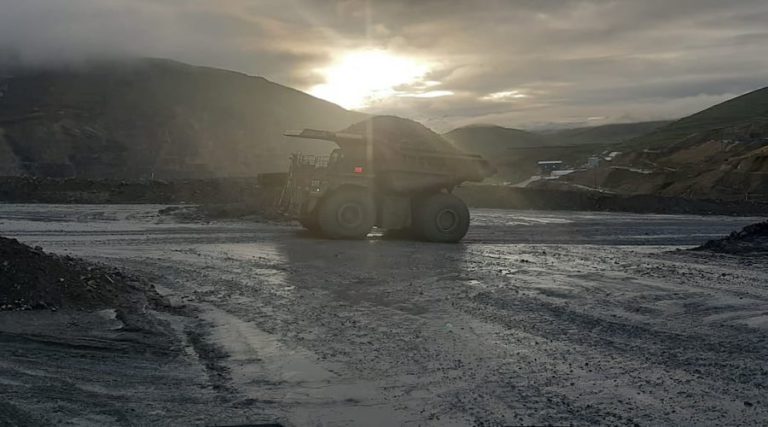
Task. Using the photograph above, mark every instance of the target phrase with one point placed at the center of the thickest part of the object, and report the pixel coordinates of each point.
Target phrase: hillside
(515, 153)
(508, 150)
(605, 134)
(729, 116)
(721, 152)
(152, 118)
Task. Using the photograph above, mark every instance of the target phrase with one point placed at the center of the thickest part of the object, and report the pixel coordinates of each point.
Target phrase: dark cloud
(571, 59)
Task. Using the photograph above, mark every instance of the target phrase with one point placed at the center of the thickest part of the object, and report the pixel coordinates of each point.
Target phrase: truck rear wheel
(346, 214)
(440, 217)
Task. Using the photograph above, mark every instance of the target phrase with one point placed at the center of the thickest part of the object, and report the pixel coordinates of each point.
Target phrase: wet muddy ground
(537, 318)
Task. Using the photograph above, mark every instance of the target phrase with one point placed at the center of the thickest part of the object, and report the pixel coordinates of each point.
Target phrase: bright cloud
(505, 96)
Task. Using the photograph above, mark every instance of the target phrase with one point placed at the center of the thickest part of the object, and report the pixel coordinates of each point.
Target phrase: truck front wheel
(346, 214)
(440, 217)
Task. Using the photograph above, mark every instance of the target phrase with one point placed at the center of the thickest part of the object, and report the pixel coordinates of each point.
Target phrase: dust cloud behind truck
(388, 172)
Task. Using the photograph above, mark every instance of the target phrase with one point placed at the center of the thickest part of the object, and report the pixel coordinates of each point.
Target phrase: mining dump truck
(388, 172)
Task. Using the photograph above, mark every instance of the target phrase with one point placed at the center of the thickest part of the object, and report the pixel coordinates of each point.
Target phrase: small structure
(593, 162)
(546, 167)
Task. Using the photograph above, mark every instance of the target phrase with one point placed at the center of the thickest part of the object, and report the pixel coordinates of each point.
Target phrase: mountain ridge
(720, 152)
(153, 118)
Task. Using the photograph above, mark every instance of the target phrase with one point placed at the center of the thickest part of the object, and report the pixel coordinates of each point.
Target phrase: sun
(360, 78)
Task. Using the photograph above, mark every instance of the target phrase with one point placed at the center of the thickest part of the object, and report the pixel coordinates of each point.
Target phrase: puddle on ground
(255, 353)
(267, 370)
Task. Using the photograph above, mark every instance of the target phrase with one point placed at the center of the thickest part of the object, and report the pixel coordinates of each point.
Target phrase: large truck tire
(440, 217)
(347, 214)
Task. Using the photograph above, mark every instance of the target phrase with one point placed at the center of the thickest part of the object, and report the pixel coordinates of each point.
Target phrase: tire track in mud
(439, 365)
(342, 332)
(674, 350)
(363, 323)
(683, 395)
(726, 358)
(211, 356)
(486, 332)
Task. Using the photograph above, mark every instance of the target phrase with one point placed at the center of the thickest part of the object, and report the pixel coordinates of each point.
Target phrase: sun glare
(359, 79)
(505, 96)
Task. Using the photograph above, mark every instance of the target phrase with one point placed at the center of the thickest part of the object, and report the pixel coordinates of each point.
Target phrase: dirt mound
(396, 130)
(554, 198)
(261, 190)
(751, 239)
(32, 279)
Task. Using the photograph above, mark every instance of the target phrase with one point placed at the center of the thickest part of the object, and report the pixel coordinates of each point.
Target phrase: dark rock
(751, 239)
(31, 279)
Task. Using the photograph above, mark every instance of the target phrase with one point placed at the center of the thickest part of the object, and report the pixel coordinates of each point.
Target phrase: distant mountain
(515, 152)
(721, 152)
(508, 150)
(153, 118)
(491, 140)
(606, 134)
(734, 114)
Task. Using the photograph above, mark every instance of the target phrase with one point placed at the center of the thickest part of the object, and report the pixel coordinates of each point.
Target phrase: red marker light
(358, 169)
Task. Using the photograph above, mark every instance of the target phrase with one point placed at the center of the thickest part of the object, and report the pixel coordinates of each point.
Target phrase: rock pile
(32, 279)
(751, 239)
(391, 130)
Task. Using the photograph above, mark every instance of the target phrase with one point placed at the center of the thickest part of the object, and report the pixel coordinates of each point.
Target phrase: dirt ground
(536, 318)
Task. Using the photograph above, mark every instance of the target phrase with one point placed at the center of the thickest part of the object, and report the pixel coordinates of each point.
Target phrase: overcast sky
(517, 63)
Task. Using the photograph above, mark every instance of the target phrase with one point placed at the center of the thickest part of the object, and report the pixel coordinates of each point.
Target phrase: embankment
(262, 192)
(502, 197)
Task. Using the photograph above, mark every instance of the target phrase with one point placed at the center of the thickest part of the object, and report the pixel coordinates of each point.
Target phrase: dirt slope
(152, 118)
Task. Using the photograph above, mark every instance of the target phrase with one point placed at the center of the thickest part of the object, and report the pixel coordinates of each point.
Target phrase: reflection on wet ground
(536, 318)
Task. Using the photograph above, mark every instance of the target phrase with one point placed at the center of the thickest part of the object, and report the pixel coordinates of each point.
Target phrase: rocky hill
(721, 152)
(152, 118)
